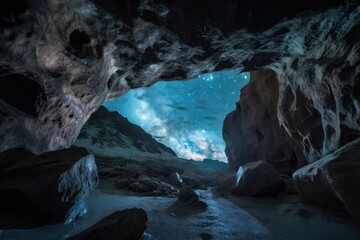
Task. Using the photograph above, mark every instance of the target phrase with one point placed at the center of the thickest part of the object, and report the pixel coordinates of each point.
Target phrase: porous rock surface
(44, 189)
(71, 56)
(333, 181)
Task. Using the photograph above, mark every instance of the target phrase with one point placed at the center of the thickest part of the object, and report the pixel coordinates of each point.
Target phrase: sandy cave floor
(234, 217)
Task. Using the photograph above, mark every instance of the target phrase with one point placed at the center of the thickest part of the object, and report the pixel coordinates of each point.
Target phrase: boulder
(139, 187)
(165, 189)
(333, 181)
(187, 194)
(128, 224)
(132, 171)
(258, 179)
(175, 179)
(289, 186)
(123, 183)
(226, 184)
(188, 203)
(45, 189)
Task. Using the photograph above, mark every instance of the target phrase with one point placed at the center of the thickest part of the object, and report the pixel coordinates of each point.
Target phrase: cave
(182, 119)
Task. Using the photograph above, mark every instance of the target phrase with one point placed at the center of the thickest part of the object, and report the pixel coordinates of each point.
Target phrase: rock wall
(252, 131)
(60, 60)
(296, 116)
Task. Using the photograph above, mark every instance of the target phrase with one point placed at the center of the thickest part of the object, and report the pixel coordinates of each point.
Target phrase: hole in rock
(186, 116)
(21, 92)
(78, 38)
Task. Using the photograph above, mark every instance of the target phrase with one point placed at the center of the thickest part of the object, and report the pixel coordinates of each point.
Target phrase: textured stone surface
(258, 179)
(252, 131)
(128, 224)
(333, 181)
(44, 189)
(77, 54)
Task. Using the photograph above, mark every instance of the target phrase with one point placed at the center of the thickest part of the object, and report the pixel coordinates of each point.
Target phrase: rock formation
(71, 56)
(128, 224)
(110, 134)
(258, 179)
(334, 180)
(252, 132)
(45, 189)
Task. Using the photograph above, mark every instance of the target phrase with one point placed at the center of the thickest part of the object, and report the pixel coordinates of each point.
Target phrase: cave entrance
(186, 116)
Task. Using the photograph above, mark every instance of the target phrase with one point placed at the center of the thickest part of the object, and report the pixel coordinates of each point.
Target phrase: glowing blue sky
(185, 115)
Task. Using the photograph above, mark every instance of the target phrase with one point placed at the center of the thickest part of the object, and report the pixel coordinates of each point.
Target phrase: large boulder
(258, 179)
(44, 189)
(128, 224)
(333, 181)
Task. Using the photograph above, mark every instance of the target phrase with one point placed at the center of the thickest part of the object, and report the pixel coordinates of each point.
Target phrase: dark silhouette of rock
(188, 203)
(226, 184)
(187, 194)
(132, 171)
(252, 132)
(258, 179)
(333, 181)
(128, 224)
(45, 189)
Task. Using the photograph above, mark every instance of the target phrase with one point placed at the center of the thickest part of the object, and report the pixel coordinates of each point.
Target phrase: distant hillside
(110, 134)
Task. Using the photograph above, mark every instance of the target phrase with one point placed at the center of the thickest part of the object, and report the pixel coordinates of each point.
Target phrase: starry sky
(186, 116)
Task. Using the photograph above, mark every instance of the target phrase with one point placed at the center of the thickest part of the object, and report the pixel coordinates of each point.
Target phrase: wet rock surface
(44, 189)
(333, 181)
(128, 224)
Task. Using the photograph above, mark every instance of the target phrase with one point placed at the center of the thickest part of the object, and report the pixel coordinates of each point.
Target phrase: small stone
(187, 194)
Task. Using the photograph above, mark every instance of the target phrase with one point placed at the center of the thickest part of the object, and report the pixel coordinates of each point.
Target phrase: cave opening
(186, 116)
(291, 142)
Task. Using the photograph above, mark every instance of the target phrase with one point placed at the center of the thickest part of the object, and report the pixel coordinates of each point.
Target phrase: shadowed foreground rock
(45, 189)
(258, 179)
(333, 181)
(188, 203)
(128, 224)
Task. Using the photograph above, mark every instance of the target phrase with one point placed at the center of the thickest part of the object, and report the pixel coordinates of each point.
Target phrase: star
(188, 114)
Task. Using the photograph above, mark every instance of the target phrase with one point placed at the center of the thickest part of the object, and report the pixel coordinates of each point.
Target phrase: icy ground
(272, 218)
